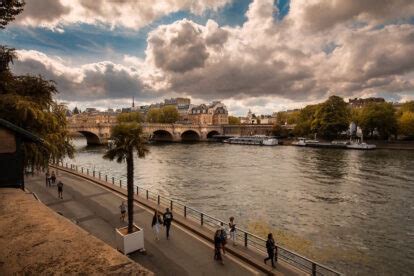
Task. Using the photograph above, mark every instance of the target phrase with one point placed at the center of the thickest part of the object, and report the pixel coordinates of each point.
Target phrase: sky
(261, 55)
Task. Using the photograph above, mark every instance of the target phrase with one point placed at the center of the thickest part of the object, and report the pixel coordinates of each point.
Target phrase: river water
(351, 210)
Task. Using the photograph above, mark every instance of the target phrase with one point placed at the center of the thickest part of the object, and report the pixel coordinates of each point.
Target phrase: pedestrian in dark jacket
(47, 175)
(168, 218)
(223, 235)
(60, 189)
(270, 246)
(53, 177)
(217, 246)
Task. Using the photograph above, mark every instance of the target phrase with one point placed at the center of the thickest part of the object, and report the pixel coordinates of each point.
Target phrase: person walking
(168, 217)
(232, 227)
(123, 208)
(47, 175)
(156, 223)
(53, 178)
(217, 246)
(60, 189)
(270, 246)
(223, 235)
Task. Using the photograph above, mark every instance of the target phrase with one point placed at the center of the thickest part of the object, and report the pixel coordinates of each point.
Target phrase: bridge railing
(243, 237)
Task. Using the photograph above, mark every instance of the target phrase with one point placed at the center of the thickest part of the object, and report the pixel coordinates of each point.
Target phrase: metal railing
(242, 236)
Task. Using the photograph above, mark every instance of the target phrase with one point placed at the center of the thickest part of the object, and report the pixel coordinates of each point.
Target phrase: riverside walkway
(93, 204)
(96, 209)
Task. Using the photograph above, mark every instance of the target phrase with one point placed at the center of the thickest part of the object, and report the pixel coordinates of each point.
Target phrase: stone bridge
(99, 133)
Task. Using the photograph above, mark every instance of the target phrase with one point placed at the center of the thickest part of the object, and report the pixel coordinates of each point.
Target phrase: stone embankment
(36, 240)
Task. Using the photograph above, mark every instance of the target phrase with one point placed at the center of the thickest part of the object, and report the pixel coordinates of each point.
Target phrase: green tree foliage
(129, 117)
(406, 123)
(169, 114)
(279, 131)
(380, 117)
(304, 122)
(408, 106)
(234, 120)
(165, 115)
(331, 118)
(154, 115)
(8, 11)
(27, 101)
(290, 118)
(127, 139)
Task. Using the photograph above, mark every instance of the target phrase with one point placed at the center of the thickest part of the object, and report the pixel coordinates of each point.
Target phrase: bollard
(93, 174)
(106, 178)
(87, 171)
(76, 167)
(82, 169)
(137, 190)
(313, 269)
(158, 199)
(245, 239)
(113, 181)
(147, 194)
(185, 211)
(171, 205)
(120, 183)
(202, 218)
(99, 175)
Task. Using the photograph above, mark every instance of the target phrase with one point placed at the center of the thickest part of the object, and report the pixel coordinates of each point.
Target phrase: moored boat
(259, 140)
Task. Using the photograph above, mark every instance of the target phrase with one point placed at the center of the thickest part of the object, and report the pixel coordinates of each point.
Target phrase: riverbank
(394, 145)
(36, 240)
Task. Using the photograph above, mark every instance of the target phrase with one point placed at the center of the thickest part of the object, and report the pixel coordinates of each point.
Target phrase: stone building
(214, 114)
(360, 102)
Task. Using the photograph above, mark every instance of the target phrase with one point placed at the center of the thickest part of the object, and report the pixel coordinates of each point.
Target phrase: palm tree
(127, 138)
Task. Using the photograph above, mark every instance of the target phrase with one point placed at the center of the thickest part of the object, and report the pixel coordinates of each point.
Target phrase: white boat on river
(259, 140)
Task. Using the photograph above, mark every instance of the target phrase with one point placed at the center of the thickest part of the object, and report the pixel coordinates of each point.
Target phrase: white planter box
(127, 243)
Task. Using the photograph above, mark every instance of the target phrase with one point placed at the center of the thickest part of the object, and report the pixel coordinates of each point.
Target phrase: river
(351, 210)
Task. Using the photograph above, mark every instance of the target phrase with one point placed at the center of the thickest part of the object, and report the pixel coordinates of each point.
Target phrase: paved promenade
(96, 209)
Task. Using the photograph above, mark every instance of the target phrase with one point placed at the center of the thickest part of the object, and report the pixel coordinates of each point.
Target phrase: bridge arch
(91, 138)
(162, 136)
(210, 134)
(190, 136)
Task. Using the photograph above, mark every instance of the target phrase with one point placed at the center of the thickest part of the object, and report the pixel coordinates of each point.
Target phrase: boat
(259, 140)
(360, 145)
(303, 142)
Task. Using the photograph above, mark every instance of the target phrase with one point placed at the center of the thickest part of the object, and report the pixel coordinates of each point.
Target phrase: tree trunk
(130, 189)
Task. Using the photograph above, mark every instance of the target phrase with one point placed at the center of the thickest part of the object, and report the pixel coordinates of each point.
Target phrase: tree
(279, 131)
(75, 110)
(154, 115)
(8, 11)
(406, 124)
(129, 117)
(169, 114)
(234, 120)
(127, 139)
(331, 118)
(305, 119)
(378, 117)
(28, 102)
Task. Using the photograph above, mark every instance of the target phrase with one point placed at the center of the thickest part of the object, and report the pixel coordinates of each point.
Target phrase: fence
(242, 236)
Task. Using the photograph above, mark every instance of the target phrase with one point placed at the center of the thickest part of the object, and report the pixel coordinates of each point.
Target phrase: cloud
(265, 58)
(321, 48)
(317, 15)
(130, 14)
(102, 80)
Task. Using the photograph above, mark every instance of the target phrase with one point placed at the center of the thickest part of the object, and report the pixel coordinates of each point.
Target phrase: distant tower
(133, 103)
